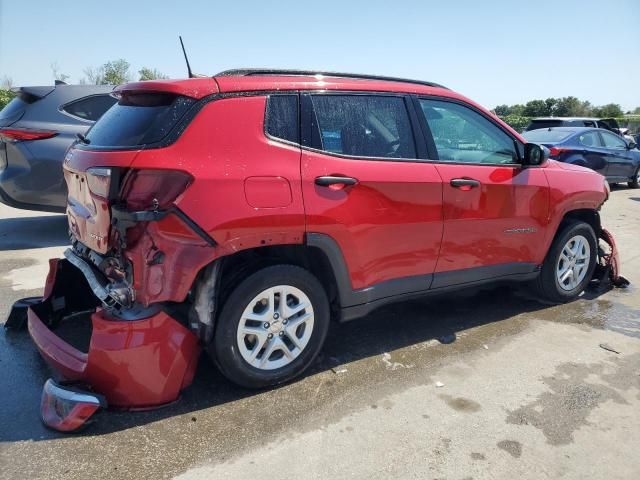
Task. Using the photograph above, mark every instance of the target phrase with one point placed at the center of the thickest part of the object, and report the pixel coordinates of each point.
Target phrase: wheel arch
(210, 294)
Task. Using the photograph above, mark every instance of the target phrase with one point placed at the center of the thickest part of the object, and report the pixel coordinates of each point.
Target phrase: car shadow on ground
(385, 330)
(23, 233)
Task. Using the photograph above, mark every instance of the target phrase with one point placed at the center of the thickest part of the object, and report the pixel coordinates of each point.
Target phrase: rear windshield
(138, 119)
(535, 124)
(16, 107)
(547, 136)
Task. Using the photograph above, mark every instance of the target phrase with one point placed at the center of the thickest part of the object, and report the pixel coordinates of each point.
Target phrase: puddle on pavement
(605, 313)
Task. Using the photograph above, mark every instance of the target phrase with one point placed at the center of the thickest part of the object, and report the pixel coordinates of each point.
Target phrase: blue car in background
(601, 150)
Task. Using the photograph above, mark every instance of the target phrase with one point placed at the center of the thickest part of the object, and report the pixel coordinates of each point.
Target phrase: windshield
(547, 135)
(138, 119)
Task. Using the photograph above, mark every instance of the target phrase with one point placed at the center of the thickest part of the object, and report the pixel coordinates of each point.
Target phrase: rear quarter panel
(222, 148)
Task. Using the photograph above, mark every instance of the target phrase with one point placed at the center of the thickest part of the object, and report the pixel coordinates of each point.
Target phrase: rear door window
(589, 139)
(363, 126)
(139, 119)
(90, 108)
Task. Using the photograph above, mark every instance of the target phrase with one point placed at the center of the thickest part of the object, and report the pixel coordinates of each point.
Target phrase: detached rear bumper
(139, 363)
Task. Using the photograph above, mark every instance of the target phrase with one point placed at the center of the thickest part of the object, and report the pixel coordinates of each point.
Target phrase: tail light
(21, 134)
(153, 189)
(66, 409)
(99, 181)
(555, 152)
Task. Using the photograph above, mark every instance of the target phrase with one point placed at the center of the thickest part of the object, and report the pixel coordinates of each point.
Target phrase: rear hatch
(96, 167)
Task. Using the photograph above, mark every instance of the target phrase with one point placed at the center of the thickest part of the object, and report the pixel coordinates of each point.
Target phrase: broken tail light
(153, 189)
(99, 181)
(65, 408)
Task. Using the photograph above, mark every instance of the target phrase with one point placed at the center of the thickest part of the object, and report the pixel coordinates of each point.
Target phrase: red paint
(400, 219)
(388, 225)
(139, 363)
(477, 220)
(267, 192)
(192, 87)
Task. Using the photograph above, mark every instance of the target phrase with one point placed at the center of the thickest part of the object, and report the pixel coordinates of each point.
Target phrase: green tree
(114, 72)
(150, 74)
(536, 108)
(572, 107)
(609, 110)
(6, 96)
(517, 109)
(504, 110)
(551, 105)
(636, 111)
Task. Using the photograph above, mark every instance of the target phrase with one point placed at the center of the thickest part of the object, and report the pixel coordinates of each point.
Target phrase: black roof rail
(243, 72)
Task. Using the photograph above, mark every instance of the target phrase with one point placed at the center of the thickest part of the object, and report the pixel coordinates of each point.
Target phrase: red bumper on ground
(140, 363)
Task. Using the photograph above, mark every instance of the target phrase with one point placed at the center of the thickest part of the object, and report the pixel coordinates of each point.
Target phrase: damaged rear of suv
(239, 213)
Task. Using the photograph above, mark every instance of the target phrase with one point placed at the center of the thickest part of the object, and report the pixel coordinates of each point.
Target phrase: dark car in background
(551, 122)
(596, 148)
(36, 128)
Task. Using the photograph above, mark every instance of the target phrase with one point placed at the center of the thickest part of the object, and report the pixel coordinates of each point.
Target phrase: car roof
(565, 118)
(250, 80)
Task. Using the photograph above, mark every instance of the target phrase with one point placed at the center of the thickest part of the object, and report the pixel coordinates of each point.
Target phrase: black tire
(547, 285)
(635, 181)
(224, 348)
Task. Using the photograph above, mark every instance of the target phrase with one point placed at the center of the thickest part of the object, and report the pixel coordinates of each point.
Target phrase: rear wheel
(635, 180)
(569, 264)
(271, 327)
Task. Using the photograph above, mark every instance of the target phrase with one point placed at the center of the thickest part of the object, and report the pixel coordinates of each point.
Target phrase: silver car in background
(36, 128)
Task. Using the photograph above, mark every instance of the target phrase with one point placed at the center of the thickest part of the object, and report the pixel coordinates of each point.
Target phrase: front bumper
(136, 364)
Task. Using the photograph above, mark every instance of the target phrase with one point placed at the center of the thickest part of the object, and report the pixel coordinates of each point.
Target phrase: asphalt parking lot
(482, 384)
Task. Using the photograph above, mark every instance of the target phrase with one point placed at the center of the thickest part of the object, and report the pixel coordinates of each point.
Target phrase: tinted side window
(90, 108)
(463, 135)
(613, 141)
(281, 118)
(589, 139)
(364, 126)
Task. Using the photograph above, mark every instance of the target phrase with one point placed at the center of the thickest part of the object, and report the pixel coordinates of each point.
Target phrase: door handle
(329, 180)
(464, 182)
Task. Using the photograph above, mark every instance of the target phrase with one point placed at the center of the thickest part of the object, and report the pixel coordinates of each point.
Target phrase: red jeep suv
(240, 213)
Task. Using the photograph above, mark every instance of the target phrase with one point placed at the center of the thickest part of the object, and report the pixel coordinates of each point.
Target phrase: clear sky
(493, 51)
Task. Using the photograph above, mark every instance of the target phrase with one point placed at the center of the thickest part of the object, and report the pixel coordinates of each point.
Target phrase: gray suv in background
(36, 128)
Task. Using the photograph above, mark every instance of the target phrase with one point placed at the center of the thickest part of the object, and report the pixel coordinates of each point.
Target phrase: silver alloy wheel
(275, 327)
(573, 262)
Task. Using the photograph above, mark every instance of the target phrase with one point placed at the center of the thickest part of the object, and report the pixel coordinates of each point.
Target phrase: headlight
(607, 189)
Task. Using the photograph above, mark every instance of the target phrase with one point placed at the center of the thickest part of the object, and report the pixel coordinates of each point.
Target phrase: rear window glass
(547, 135)
(13, 109)
(535, 124)
(138, 119)
(90, 108)
(282, 118)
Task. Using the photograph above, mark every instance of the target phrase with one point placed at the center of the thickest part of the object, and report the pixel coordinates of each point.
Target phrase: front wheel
(635, 180)
(569, 264)
(271, 327)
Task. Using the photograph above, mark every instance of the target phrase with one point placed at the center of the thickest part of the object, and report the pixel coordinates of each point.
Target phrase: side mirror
(535, 155)
(632, 145)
